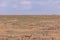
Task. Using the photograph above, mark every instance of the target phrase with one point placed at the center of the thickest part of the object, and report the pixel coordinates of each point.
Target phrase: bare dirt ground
(30, 27)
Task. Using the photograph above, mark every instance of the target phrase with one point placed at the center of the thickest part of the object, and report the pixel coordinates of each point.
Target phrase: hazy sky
(29, 6)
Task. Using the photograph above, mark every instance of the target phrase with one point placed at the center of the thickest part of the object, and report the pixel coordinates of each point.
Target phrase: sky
(29, 7)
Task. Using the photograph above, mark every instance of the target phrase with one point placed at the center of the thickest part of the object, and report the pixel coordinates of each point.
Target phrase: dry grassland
(30, 27)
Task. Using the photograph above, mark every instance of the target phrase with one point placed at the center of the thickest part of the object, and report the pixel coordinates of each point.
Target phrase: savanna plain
(24, 27)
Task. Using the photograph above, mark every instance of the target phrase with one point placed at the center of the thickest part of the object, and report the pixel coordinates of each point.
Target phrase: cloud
(50, 4)
(25, 5)
(3, 4)
(25, 2)
(20, 5)
(14, 5)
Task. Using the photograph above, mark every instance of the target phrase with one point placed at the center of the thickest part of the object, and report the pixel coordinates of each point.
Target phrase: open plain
(44, 27)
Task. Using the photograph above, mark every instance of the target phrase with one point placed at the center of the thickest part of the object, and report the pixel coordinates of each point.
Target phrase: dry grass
(30, 27)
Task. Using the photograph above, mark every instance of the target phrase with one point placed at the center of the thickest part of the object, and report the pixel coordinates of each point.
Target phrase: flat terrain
(44, 27)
